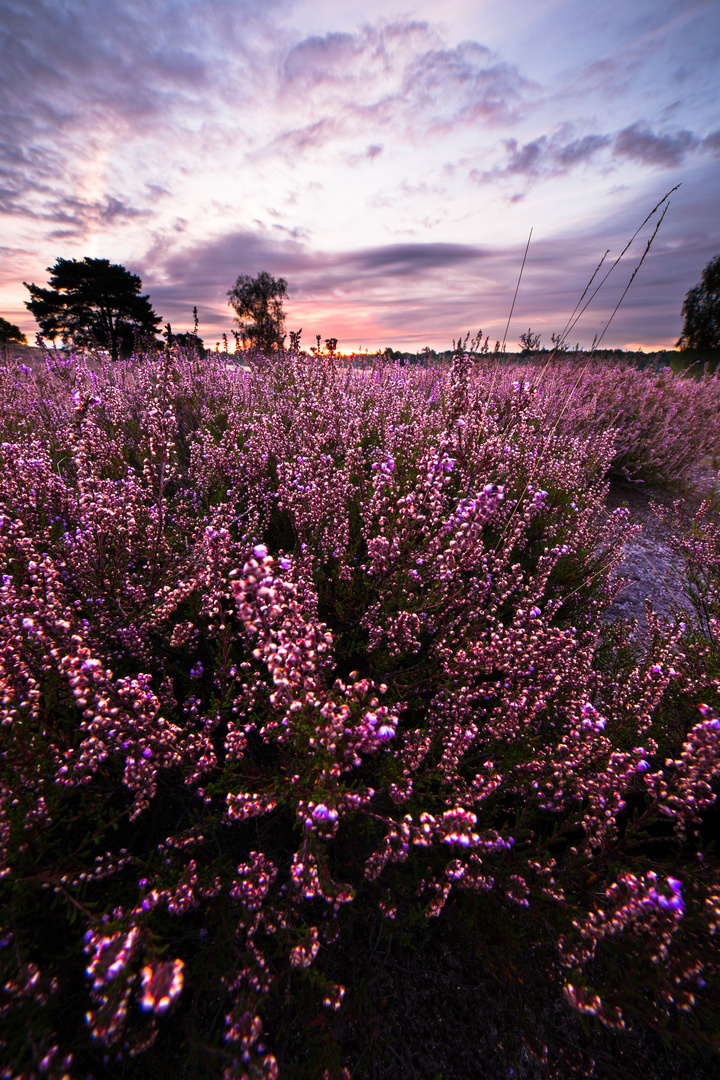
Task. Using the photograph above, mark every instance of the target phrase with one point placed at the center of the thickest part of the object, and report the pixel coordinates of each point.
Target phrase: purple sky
(387, 162)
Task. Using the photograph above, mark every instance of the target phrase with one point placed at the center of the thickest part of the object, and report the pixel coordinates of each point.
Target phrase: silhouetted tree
(93, 302)
(258, 305)
(187, 340)
(10, 332)
(701, 311)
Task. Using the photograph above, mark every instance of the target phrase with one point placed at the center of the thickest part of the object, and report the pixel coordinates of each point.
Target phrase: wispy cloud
(550, 156)
(314, 273)
(394, 78)
(74, 75)
(542, 158)
(712, 143)
(640, 143)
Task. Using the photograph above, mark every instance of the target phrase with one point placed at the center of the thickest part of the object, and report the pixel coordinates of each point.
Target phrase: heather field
(325, 751)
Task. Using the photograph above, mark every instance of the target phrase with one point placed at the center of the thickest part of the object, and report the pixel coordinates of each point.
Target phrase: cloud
(580, 150)
(398, 76)
(75, 216)
(466, 85)
(78, 216)
(712, 143)
(129, 127)
(218, 263)
(368, 154)
(639, 143)
(77, 77)
(298, 141)
(550, 156)
(544, 157)
(96, 99)
(401, 260)
(403, 281)
(524, 160)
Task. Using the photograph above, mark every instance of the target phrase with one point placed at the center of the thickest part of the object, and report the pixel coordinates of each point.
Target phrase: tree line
(94, 302)
(98, 303)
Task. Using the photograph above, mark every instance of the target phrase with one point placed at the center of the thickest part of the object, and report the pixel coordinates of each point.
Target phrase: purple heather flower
(260, 551)
(643, 766)
(674, 904)
(196, 672)
(535, 612)
(385, 732)
(322, 813)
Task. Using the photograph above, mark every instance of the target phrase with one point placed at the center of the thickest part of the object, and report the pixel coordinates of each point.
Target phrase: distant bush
(289, 652)
(10, 332)
(694, 361)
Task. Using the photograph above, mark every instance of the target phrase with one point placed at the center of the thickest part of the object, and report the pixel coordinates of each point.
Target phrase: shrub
(288, 651)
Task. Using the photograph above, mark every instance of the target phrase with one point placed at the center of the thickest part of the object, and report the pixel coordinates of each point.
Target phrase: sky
(387, 158)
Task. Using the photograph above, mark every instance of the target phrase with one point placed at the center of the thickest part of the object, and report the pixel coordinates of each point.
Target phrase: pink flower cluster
(281, 648)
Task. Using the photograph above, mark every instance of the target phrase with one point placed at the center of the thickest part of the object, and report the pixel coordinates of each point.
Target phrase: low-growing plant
(293, 653)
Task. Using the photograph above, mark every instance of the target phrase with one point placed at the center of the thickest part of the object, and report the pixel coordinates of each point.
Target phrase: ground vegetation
(326, 751)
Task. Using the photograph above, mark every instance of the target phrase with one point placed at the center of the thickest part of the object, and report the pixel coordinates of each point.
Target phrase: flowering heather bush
(662, 422)
(697, 543)
(287, 652)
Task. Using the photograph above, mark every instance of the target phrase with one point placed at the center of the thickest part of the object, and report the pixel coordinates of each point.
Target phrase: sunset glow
(387, 163)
